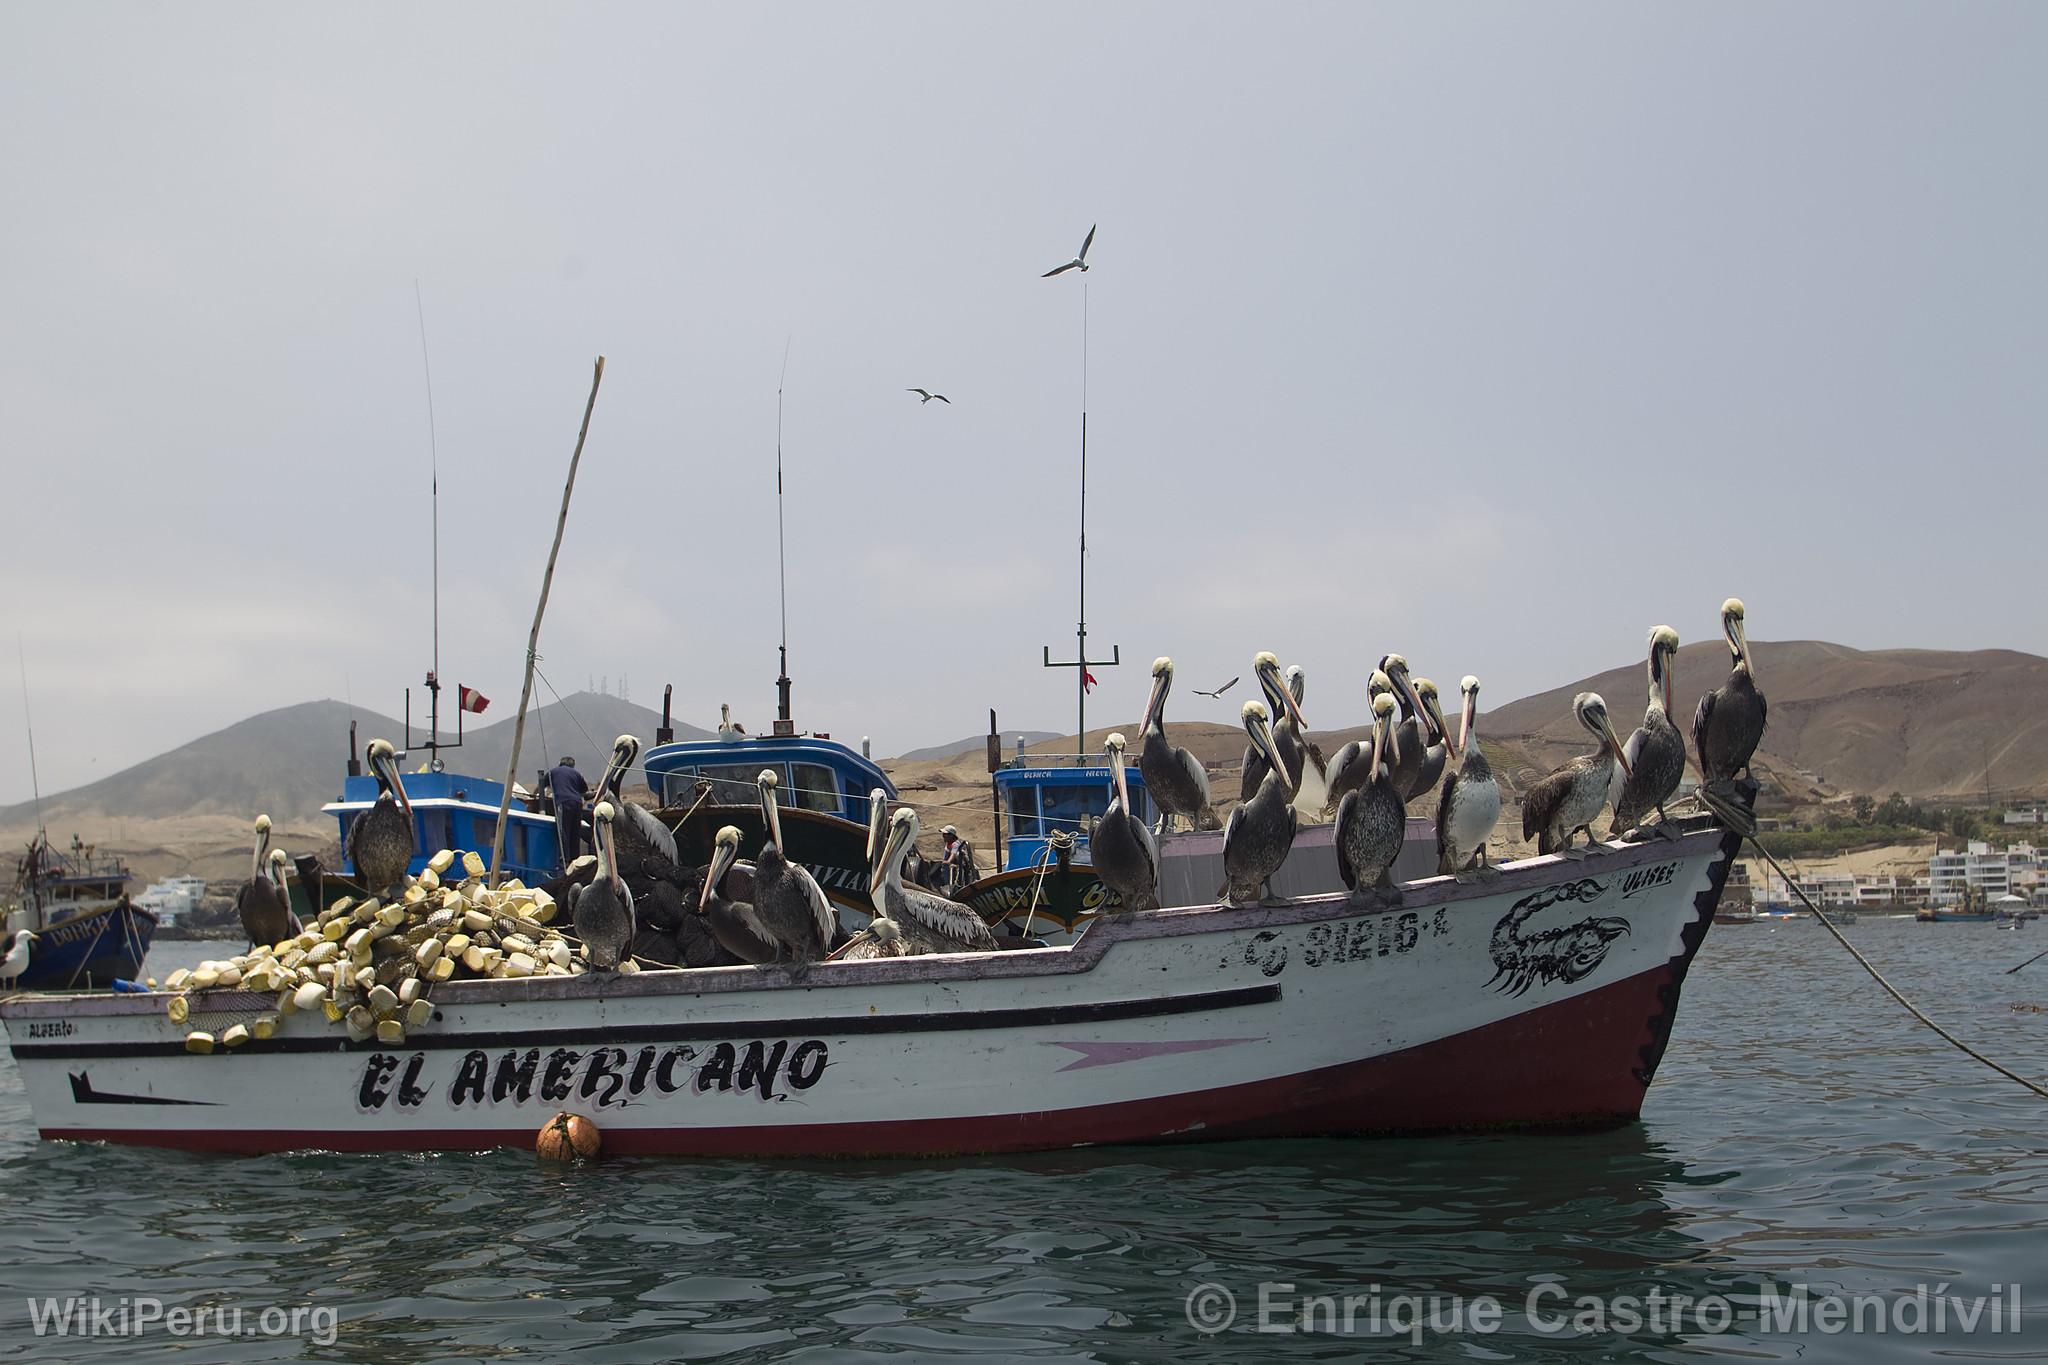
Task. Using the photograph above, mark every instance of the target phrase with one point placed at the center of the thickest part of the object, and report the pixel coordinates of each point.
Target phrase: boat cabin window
(1072, 808)
(814, 787)
(1024, 813)
(433, 830)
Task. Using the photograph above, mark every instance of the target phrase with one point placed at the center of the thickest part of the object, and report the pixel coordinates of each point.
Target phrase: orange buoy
(567, 1137)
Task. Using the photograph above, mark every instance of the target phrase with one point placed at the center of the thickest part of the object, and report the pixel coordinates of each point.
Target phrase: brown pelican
(1437, 751)
(1125, 855)
(1347, 771)
(928, 921)
(263, 904)
(1655, 752)
(1303, 759)
(1372, 820)
(1261, 830)
(380, 842)
(788, 901)
(733, 923)
(1730, 721)
(1570, 798)
(1470, 805)
(883, 937)
(1178, 783)
(603, 911)
(878, 839)
(646, 847)
(1416, 759)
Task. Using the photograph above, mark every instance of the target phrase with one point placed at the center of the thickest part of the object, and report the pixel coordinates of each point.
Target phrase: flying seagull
(1080, 262)
(1218, 692)
(925, 396)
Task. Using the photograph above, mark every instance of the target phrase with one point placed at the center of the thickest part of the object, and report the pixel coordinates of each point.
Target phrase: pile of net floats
(369, 966)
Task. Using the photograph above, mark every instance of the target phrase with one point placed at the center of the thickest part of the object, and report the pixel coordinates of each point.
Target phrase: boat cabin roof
(815, 773)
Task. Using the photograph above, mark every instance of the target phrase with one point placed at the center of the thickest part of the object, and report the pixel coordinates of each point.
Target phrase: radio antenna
(782, 716)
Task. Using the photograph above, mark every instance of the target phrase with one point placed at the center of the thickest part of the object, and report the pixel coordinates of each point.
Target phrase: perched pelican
(733, 923)
(1176, 779)
(1125, 855)
(1347, 771)
(1470, 805)
(603, 911)
(1372, 820)
(1261, 830)
(1570, 798)
(263, 903)
(878, 839)
(728, 728)
(788, 901)
(1303, 760)
(646, 847)
(381, 842)
(1437, 751)
(928, 921)
(925, 396)
(1655, 752)
(883, 937)
(1416, 758)
(16, 961)
(1730, 721)
(1079, 262)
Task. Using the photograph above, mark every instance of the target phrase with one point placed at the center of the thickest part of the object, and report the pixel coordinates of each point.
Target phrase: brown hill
(1923, 722)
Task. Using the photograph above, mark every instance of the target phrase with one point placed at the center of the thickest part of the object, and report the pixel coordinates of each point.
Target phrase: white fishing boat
(1540, 997)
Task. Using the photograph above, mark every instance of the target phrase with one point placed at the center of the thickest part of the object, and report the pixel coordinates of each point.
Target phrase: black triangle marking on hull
(83, 1093)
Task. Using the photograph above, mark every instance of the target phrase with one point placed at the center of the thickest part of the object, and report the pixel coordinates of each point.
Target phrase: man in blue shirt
(570, 793)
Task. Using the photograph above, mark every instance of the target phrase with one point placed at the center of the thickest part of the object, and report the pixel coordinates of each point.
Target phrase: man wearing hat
(570, 793)
(956, 862)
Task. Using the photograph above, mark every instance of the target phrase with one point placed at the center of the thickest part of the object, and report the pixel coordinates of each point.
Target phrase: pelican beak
(892, 851)
(721, 861)
(1293, 707)
(1155, 701)
(397, 783)
(1607, 733)
(1740, 633)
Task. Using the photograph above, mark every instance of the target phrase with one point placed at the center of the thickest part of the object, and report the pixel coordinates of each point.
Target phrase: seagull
(1218, 692)
(17, 957)
(925, 396)
(1080, 262)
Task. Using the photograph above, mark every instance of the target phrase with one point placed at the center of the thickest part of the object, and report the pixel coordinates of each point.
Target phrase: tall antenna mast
(1081, 662)
(784, 725)
(434, 457)
(35, 784)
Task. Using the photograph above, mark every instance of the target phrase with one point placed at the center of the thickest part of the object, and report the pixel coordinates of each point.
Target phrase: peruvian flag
(1087, 681)
(470, 699)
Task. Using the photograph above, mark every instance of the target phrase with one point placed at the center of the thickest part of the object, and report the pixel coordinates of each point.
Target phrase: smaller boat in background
(87, 932)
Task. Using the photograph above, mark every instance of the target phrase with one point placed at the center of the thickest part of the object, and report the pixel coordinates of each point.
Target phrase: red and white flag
(470, 699)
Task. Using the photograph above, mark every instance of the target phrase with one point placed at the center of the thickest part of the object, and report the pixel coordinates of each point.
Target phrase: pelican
(1347, 771)
(925, 396)
(929, 922)
(1079, 262)
(603, 911)
(1470, 805)
(381, 842)
(1655, 752)
(1372, 820)
(1417, 757)
(878, 839)
(263, 903)
(1306, 770)
(1731, 718)
(1570, 798)
(16, 961)
(733, 923)
(788, 901)
(646, 847)
(1125, 855)
(1261, 830)
(883, 937)
(728, 728)
(1176, 779)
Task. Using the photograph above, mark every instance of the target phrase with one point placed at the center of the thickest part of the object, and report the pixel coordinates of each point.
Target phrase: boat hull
(1539, 998)
(90, 950)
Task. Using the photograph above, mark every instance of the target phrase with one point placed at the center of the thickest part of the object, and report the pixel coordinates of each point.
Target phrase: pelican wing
(1542, 799)
(1633, 751)
(821, 909)
(1197, 774)
(648, 826)
(865, 947)
(949, 919)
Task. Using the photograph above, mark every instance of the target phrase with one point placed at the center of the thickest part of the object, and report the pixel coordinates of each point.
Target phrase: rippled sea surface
(1803, 1131)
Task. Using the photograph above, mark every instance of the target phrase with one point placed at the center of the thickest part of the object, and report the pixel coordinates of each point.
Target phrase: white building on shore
(172, 898)
(2018, 869)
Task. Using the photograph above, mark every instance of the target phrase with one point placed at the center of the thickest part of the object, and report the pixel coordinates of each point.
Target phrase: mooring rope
(1890, 989)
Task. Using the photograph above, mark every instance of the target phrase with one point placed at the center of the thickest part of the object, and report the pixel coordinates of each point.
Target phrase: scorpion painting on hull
(1569, 952)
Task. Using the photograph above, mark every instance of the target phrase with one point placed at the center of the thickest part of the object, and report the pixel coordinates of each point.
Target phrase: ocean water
(1802, 1132)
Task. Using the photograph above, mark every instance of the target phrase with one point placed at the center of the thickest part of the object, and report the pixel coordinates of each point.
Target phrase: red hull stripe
(1577, 1063)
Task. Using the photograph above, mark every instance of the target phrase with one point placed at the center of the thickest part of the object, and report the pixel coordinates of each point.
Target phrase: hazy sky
(1493, 334)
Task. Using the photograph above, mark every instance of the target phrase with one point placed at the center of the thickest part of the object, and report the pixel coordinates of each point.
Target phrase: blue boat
(87, 932)
(454, 810)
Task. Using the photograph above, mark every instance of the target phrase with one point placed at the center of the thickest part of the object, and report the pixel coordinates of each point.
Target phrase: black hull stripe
(953, 1021)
